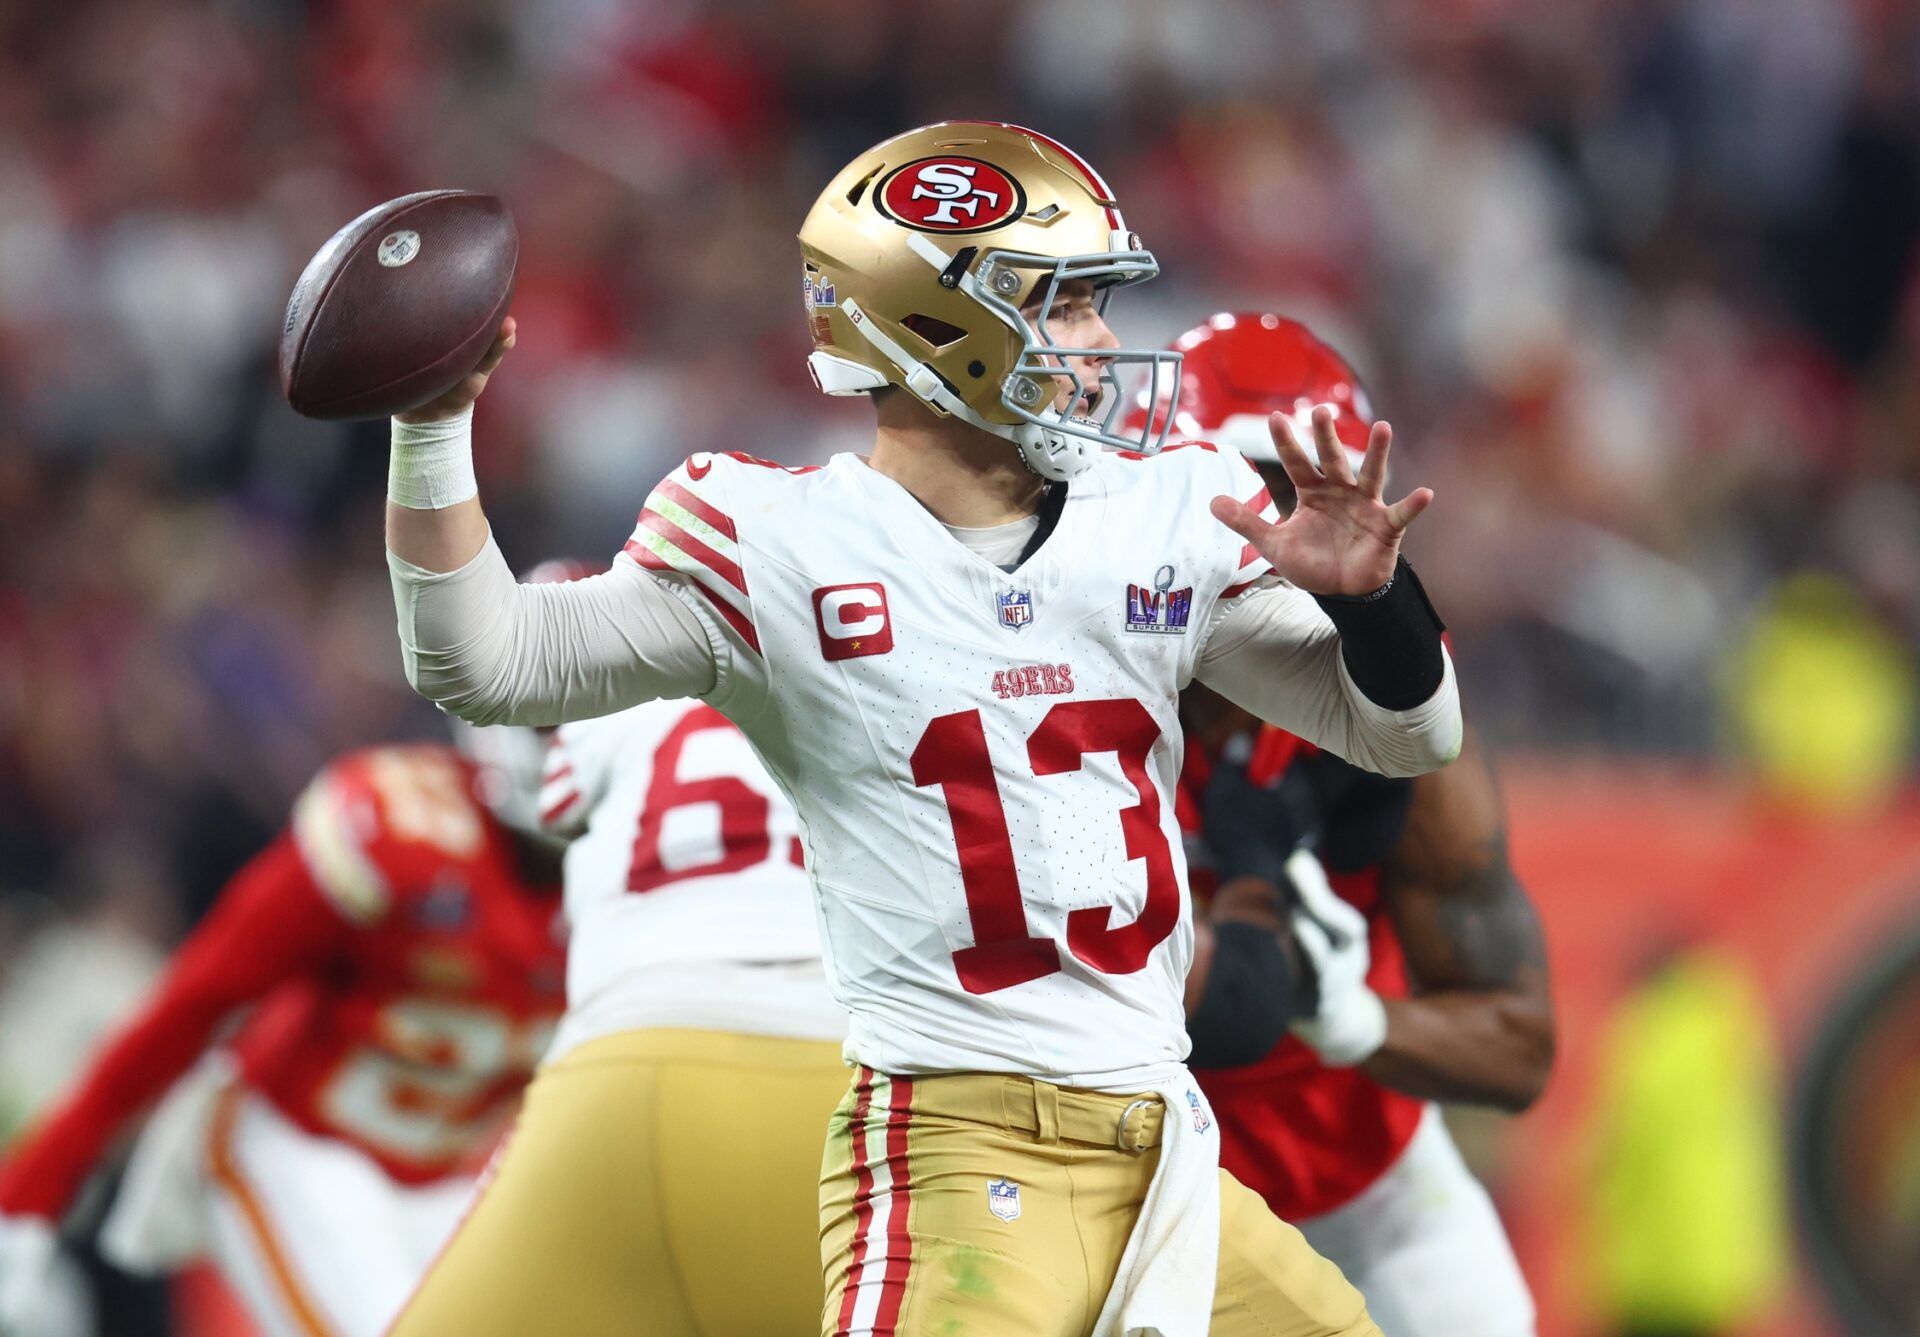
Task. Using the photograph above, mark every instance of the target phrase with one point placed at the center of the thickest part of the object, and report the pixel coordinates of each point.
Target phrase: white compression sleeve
(431, 464)
(494, 651)
(1273, 652)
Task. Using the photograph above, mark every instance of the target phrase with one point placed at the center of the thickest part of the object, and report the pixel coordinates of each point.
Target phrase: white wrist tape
(432, 463)
(1348, 1033)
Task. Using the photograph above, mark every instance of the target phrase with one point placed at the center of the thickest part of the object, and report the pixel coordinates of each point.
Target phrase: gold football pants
(657, 1182)
(985, 1206)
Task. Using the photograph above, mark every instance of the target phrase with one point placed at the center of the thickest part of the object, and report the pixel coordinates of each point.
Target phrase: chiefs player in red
(1423, 968)
(338, 1043)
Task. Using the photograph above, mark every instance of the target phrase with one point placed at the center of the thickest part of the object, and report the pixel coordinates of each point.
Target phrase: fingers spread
(1402, 512)
(1326, 442)
(1373, 469)
(1242, 520)
(1300, 470)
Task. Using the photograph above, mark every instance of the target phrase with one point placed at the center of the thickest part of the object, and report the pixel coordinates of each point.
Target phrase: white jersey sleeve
(494, 651)
(687, 534)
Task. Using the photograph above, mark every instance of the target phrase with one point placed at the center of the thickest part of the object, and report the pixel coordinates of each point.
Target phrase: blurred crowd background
(1635, 281)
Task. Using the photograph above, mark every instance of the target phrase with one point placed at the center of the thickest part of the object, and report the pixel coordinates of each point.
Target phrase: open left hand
(1342, 538)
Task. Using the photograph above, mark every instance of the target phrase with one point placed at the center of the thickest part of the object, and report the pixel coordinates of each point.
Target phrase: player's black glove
(1257, 986)
(1250, 828)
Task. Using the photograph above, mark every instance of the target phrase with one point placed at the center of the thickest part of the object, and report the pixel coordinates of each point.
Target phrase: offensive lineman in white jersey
(661, 1176)
(960, 657)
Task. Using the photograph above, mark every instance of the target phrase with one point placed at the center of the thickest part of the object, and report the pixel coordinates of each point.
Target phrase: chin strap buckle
(924, 381)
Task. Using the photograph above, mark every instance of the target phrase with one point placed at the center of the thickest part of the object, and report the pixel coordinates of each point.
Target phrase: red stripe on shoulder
(1260, 500)
(1165, 450)
(734, 617)
(653, 561)
(724, 567)
(681, 496)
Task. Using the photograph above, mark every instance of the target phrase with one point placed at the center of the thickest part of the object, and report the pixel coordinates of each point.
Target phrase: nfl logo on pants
(1003, 1199)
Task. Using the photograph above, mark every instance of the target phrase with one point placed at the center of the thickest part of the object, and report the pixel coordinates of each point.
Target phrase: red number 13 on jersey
(953, 754)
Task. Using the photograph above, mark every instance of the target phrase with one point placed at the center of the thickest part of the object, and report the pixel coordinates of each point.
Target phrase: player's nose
(1103, 335)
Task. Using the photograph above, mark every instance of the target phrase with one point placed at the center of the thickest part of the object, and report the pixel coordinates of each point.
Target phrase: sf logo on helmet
(950, 195)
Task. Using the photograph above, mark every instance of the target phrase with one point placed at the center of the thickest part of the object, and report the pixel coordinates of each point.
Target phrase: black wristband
(1254, 991)
(1390, 640)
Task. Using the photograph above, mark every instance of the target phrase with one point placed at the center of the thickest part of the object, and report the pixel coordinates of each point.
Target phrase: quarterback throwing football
(961, 657)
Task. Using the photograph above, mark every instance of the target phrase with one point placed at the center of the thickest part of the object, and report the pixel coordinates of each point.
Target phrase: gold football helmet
(920, 256)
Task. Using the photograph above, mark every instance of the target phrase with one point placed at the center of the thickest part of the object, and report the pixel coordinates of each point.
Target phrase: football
(398, 306)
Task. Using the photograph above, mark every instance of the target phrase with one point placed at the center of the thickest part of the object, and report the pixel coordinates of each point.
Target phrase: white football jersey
(983, 763)
(686, 899)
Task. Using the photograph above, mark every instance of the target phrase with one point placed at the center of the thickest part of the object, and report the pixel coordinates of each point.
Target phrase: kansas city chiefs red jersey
(399, 973)
(1306, 1137)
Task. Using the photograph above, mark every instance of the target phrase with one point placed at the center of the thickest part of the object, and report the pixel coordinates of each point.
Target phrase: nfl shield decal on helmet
(1003, 1198)
(1016, 608)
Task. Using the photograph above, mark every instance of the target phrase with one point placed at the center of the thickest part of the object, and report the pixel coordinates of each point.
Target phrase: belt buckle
(1120, 1134)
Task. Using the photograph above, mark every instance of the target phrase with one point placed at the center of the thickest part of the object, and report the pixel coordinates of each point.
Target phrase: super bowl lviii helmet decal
(932, 261)
(1242, 366)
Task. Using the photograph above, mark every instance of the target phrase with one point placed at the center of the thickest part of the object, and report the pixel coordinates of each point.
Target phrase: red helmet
(1242, 366)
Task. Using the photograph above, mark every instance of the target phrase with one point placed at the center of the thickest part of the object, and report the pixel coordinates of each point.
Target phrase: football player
(363, 1003)
(960, 656)
(663, 1175)
(1336, 1128)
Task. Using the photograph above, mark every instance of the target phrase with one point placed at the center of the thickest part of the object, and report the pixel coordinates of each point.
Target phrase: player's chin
(1085, 406)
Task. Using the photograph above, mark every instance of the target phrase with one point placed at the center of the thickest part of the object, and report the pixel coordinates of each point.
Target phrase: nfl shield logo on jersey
(1003, 1198)
(1016, 608)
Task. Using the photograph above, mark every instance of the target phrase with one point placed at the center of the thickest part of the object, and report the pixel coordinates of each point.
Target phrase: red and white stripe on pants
(883, 1183)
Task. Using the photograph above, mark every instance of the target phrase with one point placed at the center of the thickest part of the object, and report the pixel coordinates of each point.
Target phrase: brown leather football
(399, 305)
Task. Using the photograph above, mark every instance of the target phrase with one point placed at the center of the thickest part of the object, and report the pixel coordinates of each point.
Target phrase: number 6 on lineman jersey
(952, 753)
(744, 837)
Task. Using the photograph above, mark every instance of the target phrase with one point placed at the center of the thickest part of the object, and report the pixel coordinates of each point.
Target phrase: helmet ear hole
(933, 331)
(859, 187)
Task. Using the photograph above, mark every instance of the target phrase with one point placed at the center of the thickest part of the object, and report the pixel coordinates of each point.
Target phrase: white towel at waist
(1165, 1284)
